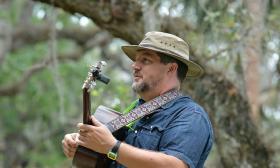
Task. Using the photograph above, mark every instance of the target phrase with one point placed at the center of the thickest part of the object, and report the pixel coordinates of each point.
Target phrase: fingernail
(79, 124)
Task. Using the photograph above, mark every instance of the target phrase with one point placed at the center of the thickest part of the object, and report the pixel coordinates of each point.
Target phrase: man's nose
(135, 66)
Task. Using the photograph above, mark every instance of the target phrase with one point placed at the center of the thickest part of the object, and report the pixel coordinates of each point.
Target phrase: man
(178, 135)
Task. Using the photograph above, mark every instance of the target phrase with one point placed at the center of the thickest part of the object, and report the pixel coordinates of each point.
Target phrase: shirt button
(135, 131)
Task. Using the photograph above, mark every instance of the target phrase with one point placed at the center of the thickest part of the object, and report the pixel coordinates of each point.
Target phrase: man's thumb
(95, 121)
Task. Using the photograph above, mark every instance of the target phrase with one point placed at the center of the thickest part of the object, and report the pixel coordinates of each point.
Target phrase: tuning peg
(91, 86)
(103, 63)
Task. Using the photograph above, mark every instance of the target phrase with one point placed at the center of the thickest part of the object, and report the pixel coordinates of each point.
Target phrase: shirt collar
(140, 102)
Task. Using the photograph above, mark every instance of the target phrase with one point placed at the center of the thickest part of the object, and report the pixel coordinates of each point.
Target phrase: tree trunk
(253, 53)
(236, 137)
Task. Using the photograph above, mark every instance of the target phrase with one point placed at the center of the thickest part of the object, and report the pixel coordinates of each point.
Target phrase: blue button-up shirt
(180, 128)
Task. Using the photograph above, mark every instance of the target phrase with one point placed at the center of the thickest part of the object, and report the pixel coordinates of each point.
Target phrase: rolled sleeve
(180, 156)
(186, 137)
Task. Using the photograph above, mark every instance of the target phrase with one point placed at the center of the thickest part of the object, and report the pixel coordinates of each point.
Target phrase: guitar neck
(86, 107)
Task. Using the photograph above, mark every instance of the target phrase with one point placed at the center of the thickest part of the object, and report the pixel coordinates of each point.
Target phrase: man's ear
(173, 67)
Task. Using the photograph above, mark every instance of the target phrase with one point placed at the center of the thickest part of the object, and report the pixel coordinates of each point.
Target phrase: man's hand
(69, 144)
(97, 137)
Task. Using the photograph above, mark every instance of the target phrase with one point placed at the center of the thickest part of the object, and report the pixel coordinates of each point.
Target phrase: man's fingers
(73, 136)
(81, 138)
(69, 153)
(84, 127)
(66, 152)
(70, 141)
(95, 121)
(82, 133)
(81, 142)
(69, 144)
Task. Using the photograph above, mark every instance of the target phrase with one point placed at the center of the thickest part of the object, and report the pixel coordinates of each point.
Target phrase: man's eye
(146, 61)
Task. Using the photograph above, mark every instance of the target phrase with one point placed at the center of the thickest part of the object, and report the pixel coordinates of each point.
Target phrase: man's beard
(140, 87)
(145, 86)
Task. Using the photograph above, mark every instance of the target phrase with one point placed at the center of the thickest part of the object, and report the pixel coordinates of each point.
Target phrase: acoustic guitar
(84, 157)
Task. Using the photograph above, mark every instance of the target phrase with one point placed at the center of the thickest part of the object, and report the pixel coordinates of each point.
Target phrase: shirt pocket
(148, 136)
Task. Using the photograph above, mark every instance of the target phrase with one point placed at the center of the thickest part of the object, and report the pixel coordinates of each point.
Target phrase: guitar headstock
(95, 74)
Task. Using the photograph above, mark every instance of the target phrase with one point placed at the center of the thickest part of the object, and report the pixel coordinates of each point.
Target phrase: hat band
(146, 45)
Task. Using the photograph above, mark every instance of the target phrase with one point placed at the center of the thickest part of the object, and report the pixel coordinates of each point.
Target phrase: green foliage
(16, 10)
(273, 18)
(38, 106)
(35, 114)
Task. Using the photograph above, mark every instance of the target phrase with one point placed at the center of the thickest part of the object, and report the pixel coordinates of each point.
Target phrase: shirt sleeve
(186, 136)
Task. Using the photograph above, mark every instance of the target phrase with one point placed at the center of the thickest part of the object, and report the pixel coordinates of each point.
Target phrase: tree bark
(122, 18)
(30, 34)
(253, 53)
(236, 137)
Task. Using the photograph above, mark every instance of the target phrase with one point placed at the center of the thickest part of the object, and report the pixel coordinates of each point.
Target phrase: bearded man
(177, 135)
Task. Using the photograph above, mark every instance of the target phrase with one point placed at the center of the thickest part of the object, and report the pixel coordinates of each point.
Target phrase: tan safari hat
(168, 44)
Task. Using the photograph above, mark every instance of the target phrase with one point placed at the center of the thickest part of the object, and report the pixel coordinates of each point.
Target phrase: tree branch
(13, 89)
(100, 39)
(115, 16)
(218, 53)
(31, 34)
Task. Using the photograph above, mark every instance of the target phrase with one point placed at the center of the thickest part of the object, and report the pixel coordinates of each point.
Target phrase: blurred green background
(45, 54)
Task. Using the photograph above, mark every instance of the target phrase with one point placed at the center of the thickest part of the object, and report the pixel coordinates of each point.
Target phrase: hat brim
(194, 70)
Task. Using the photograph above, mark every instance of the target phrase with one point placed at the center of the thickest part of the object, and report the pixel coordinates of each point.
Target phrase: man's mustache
(137, 74)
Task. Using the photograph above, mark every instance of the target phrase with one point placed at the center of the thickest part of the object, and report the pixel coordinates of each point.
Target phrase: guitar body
(84, 157)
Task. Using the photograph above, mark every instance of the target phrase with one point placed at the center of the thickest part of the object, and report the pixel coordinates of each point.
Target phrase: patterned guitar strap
(142, 110)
